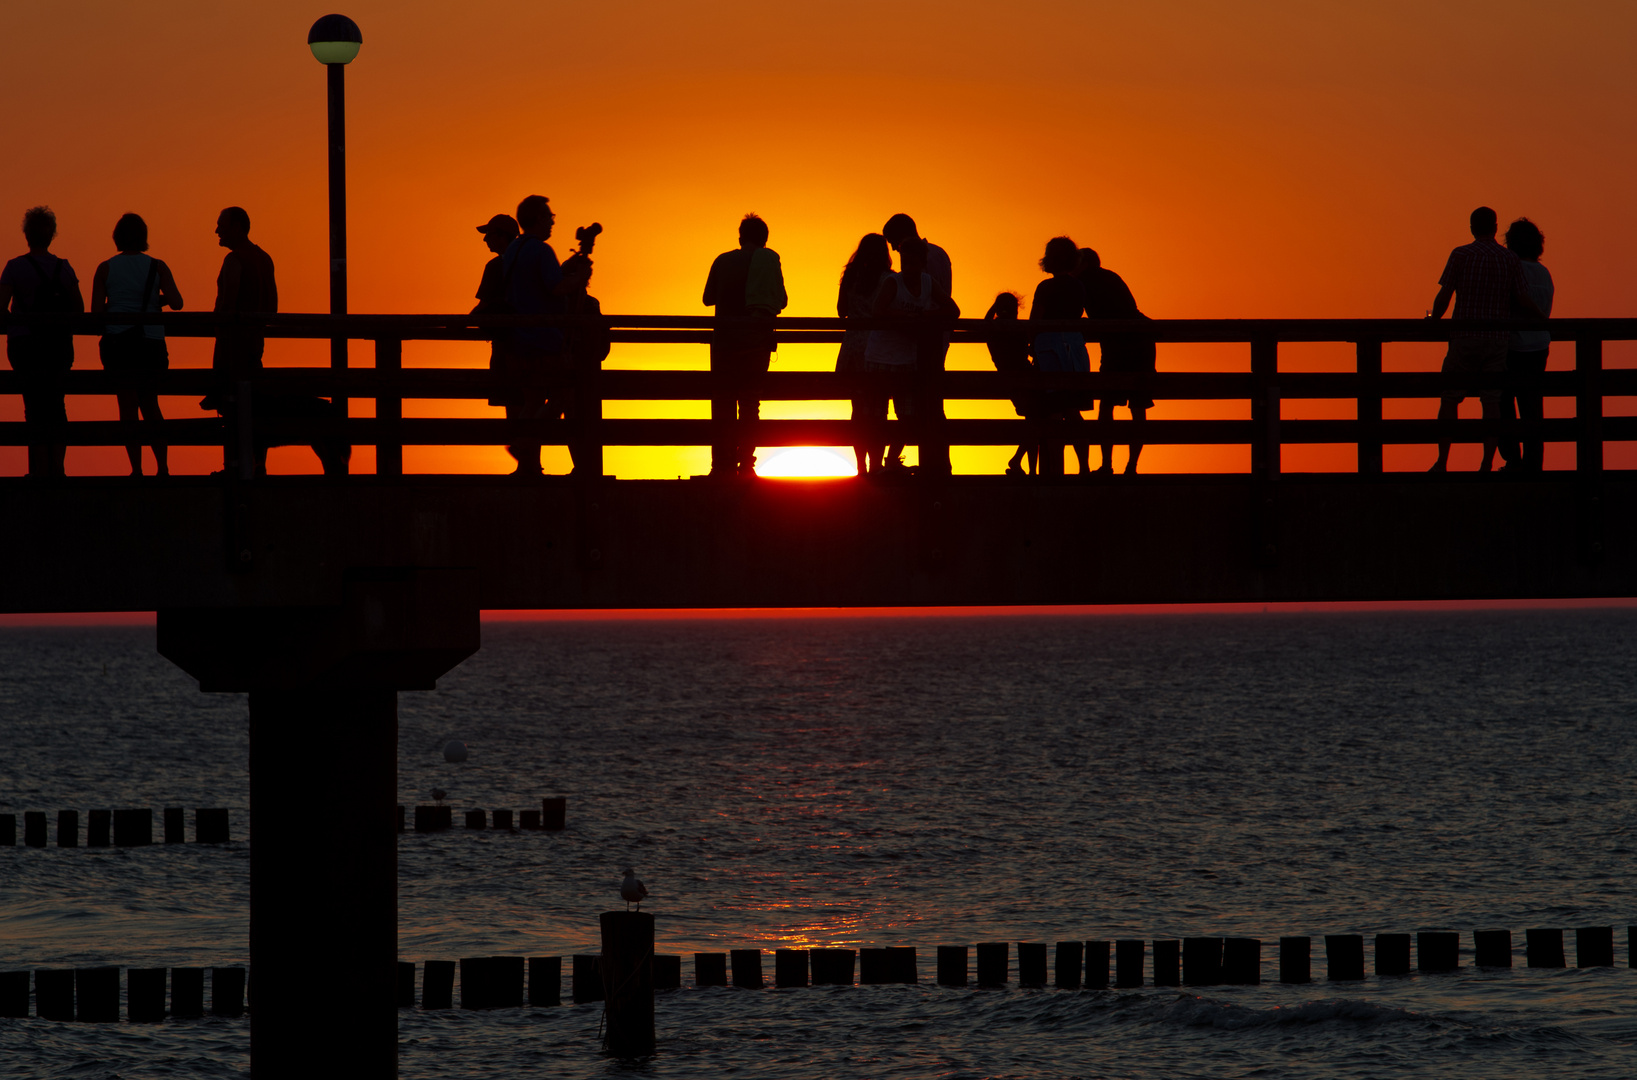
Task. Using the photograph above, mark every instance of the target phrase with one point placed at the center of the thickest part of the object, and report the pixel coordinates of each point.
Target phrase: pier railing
(1264, 388)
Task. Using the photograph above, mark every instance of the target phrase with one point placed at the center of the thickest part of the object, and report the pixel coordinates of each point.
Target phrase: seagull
(632, 891)
(438, 794)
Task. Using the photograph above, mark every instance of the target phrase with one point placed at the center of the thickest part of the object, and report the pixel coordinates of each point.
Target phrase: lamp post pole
(335, 41)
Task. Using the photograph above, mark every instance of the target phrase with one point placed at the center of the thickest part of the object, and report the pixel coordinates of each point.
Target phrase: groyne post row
(92, 994)
(552, 816)
(116, 828)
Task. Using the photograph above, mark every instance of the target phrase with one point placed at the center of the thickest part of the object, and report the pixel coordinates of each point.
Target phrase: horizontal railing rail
(1263, 388)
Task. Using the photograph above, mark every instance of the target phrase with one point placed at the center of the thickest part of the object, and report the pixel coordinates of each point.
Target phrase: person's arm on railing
(169, 295)
(99, 289)
(1440, 303)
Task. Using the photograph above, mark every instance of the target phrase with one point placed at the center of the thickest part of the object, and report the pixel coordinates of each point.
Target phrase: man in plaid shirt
(1487, 282)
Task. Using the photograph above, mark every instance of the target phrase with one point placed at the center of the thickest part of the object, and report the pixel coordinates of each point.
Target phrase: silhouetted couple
(1489, 281)
(246, 287)
(745, 284)
(1079, 286)
(919, 292)
(537, 368)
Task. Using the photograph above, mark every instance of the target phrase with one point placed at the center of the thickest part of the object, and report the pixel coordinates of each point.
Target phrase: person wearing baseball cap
(498, 234)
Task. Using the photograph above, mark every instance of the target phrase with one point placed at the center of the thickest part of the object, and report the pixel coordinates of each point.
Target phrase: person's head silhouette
(131, 233)
(1062, 256)
(232, 227)
(1090, 262)
(912, 256)
(752, 232)
(1525, 240)
(39, 227)
(899, 228)
(1483, 223)
(535, 217)
(499, 232)
(1005, 307)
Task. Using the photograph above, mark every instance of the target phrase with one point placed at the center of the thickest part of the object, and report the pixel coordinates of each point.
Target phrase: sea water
(908, 781)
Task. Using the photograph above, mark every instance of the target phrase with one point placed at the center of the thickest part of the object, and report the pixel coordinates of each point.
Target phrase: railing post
(1588, 364)
(589, 459)
(1264, 408)
(1369, 408)
(389, 407)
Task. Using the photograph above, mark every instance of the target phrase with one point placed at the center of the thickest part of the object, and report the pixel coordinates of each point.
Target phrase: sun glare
(807, 462)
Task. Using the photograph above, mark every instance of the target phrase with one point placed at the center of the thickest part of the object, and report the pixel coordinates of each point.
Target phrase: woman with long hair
(134, 281)
(870, 262)
(1061, 297)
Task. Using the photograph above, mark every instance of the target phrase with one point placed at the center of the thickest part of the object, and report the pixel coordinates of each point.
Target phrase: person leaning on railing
(41, 283)
(134, 281)
(744, 283)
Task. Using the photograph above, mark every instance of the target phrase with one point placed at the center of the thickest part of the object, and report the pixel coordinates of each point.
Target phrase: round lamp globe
(334, 39)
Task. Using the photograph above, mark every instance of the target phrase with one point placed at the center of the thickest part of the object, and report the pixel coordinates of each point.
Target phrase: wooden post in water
(503, 819)
(628, 975)
(34, 828)
(53, 991)
(175, 831)
(952, 965)
(1031, 963)
(1492, 948)
(789, 967)
(476, 982)
(145, 995)
(400, 817)
(1437, 950)
(1097, 965)
(528, 819)
(901, 966)
(438, 984)
(747, 968)
(710, 969)
(8, 830)
(68, 828)
(1344, 957)
(667, 972)
(1201, 961)
(554, 813)
(96, 994)
(1128, 962)
(832, 967)
(545, 981)
(133, 827)
(433, 819)
(187, 993)
(13, 993)
(872, 967)
(406, 984)
(100, 831)
(994, 963)
(1594, 946)
(1168, 962)
(1544, 948)
(227, 991)
(1067, 968)
(1242, 961)
(505, 982)
(587, 984)
(1392, 954)
(1296, 960)
(476, 819)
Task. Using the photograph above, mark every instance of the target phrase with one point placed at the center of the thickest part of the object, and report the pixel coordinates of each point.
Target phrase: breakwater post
(406, 984)
(187, 993)
(96, 994)
(1544, 948)
(994, 963)
(710, 969)
(747, 968)
(832, 967)
(34, 828)
(789, 967)
(628, 978)
(1295, 959)
(952, 965)
(1201, 961)
(1097, 964)
(145, 995)
(13, 993)
(554, 813)
(587, 984)
(1168, 962)
(1242, 961)
(54, 993)
(1492, 948)
(437, 985)
(545, 980)
(667, 972)
(68, 828)
(1128, 962)
(1392, 954)
(1031, 963)
(1067, 968)
(1344, 957)
(227, 991)
(1438, 950)
(1594, 946)
(8, 830)
(99, 832)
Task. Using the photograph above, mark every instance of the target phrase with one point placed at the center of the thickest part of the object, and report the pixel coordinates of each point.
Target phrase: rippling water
(911, 782)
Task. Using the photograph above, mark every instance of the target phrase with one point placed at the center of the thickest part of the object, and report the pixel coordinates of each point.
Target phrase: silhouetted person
(532, 356)
(1526, 352)
(246, 285)
(134, 281)
(1061, 296)
(1010, 353)
(855, 299)
(1487, 282)
(41, 283)
(911, 293)
(746, 282)
(588, 346)
(899, 230)
(498, 234)
(1108, 297)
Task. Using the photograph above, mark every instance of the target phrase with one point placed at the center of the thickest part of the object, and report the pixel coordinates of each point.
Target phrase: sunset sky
(1256, 159)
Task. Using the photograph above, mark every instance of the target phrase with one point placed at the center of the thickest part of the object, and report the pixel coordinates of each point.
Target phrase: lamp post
(335, 41)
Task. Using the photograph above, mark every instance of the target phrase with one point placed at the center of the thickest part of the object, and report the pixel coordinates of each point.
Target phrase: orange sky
(1266, 159)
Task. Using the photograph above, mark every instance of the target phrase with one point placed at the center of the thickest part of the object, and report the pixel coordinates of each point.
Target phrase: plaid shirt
(1486, 277)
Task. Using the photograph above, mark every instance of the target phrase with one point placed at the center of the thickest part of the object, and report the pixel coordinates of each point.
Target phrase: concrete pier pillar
(323, 685)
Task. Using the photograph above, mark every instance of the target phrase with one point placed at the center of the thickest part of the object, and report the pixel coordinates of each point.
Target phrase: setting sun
(805, 462)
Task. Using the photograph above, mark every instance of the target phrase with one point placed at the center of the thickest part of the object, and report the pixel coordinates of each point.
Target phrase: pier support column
(323, 685)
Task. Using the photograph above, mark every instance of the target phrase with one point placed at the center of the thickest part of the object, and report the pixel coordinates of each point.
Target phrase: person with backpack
(39, 283)
(134, 281)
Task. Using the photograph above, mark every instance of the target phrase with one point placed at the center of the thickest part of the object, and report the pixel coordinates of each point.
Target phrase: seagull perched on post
(438, 795)
(632, 891)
